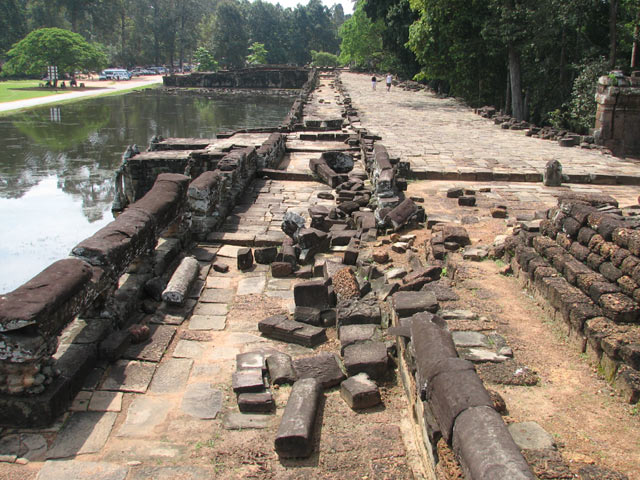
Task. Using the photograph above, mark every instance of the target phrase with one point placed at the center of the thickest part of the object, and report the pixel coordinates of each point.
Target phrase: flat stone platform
(444, 140)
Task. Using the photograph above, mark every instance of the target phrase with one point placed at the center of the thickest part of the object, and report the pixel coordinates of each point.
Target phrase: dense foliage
(538, 60)
(169, 32)
(53, 46)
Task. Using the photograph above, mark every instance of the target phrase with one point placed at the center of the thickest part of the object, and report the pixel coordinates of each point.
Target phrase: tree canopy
(53, 46)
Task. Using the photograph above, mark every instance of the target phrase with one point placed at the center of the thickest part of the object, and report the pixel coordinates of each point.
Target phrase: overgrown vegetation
(170, 32)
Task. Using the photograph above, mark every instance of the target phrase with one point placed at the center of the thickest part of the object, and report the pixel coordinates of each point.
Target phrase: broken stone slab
(455, 192)
(258, 402)
(455, 234)
(350, 334)
(313, 293)
(154, 347)
(395, 273)
(531, 436)
(315, 316)
(404, 213)
(467, 201)
(353, 311)
(280, 327)
(243, 421)
(292, 222)
(281, 269)
(475, 254)
(485, 447)
(281, 369)
(265, 255)
(245, 259)
(407, 304)
(360, 392)
(251, 360)
(202, 401)
(248, 380)
(470, 339)
(325, 367)
(480, 355)
(295, 433)
(178, 287)
(368, 357)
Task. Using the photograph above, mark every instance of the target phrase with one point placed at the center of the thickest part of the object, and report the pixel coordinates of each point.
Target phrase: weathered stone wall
(34, 389)
(257, 77)
(585, 266)
(618, 114)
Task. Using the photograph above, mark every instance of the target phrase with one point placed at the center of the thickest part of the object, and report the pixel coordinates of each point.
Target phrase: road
(102, 88)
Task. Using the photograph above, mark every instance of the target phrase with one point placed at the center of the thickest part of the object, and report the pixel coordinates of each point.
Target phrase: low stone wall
(618, 114)
(35, 388)
(584, 266)
(257, 77)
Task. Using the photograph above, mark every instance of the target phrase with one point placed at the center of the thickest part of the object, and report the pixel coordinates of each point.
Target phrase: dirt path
(590, 423)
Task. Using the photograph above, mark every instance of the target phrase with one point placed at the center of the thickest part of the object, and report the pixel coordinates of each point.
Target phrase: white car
(115, 74)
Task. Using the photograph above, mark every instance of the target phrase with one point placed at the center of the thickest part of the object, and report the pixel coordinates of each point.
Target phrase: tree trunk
(507, 96)
(634, 49)
(123, 19)
(613, 40)
(563, 59)
(517, 107)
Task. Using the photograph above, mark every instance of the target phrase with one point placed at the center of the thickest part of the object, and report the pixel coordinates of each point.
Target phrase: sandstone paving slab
(103, 401)
(79, 470)
(173, 314)
(171, 376)
(189, 349)
(219, 282)
(230, 251)
(210, 309)
(217, 295)
(251, 285)
(470, 339)
(84, 432)
(144, 414)
(202, 401)
(129, 376)
(187, 472)
(243, 421)
(152, 349)
(207, 322)
(31, 446)
(325, 367)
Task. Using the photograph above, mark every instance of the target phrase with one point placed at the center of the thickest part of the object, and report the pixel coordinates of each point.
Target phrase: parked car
(115, 74)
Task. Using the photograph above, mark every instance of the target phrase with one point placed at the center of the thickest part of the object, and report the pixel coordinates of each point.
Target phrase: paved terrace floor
(167, 410)
(442, 135)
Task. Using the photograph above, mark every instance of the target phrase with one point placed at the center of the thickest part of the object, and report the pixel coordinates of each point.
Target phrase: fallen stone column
(178, 287)
(295, 433)
(485, 447)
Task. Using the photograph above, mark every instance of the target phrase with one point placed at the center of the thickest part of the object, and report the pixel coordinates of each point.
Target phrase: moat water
(57, 163)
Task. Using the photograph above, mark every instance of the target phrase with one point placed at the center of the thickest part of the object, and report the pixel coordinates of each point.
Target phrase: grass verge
(12, 90)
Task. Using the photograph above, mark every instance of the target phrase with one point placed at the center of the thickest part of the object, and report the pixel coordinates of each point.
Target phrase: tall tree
(53, 46)
(13, 23)
(361, 44)
(230, 41)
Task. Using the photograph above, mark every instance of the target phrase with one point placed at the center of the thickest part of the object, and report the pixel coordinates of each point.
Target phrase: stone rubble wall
(585, 264)
(256, 77)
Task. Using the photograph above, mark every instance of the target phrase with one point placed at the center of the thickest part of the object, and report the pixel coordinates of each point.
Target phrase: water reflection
(57, 164)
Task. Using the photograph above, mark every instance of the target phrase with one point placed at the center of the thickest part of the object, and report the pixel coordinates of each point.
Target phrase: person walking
(389, 79)
(373, 82)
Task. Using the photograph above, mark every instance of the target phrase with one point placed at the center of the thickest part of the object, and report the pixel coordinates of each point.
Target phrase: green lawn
(13, 90)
